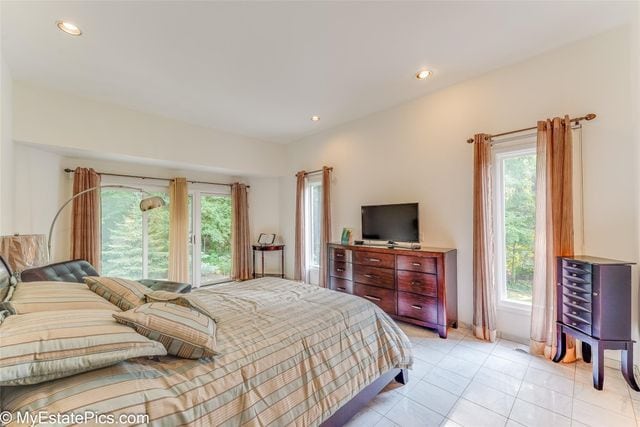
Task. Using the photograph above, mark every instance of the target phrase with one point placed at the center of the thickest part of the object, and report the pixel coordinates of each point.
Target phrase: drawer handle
(574, 293)
(340, 270)
(339, 255)
(416, 264)
(415, 283)
(372, 298)
(574, 323)
(373, 260)
(574, 274)
(341, 288)
(595, 294)
(574, 265)
(417, 307)
(574, 312)
(370, 276)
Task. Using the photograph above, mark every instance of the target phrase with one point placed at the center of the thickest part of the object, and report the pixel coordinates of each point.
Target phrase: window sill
(522, 309)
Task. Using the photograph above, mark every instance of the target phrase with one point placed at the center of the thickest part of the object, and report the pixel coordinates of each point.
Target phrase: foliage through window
(515, 231)
(314, 218)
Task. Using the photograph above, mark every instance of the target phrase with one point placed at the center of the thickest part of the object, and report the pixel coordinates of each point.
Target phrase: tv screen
(391, 222)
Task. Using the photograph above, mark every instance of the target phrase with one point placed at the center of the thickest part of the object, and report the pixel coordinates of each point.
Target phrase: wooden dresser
(593, 297)
(415, 286)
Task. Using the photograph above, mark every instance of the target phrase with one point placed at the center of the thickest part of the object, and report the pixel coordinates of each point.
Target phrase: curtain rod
(316, 171)
(67, 170)
(588, 117)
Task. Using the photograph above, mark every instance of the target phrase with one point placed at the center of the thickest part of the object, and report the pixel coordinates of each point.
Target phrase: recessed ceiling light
(69, 28)
(423, 74)
(315, 118)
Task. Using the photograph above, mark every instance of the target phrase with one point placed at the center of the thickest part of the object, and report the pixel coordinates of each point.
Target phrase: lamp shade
(23, 251)
(151, 203)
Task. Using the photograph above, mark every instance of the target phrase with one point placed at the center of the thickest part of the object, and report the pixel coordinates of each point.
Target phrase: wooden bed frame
(360, 400)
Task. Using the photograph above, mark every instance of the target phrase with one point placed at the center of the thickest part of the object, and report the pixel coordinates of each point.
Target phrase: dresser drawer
(341, 285)
(576, 276)
(374, 259)
(416, 263)
(340, 269)
(340, 254)
(383, 298)
(576, 293)
(577, 323)
(577, 266)
(419, 283)
(375, 276)
(579, 310)
(418, 307)
(578, 286)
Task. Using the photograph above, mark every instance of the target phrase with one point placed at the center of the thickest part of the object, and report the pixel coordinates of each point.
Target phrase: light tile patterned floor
(462, 381)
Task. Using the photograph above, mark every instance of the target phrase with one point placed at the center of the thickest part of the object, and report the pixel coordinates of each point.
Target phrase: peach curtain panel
(240, 234)
(85, 228)
(179, 230)
(299, 268)
(554, 230)
(484, 296)
(325, 227)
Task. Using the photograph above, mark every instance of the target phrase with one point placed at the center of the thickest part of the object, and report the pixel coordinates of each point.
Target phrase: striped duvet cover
(290, 354)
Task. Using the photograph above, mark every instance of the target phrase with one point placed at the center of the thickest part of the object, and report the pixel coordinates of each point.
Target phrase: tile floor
(462, 381)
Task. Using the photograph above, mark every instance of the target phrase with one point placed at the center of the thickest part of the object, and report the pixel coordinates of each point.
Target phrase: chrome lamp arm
(146, 204)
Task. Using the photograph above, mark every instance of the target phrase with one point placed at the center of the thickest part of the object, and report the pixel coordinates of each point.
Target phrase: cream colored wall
(39, 189)
(417, 152)
(6, 148)
(75, 123)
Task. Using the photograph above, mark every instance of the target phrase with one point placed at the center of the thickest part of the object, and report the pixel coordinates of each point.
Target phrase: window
(515, 214)
(135, 244)
(313, 200)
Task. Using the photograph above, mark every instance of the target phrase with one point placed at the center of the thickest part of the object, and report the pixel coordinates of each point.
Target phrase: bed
(290, 354)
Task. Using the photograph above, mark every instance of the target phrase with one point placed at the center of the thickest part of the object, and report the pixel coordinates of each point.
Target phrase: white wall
(75, 123)
(417, 152)
(6, 148)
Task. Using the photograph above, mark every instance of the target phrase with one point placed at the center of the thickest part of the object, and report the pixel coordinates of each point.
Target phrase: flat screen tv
(398, 223)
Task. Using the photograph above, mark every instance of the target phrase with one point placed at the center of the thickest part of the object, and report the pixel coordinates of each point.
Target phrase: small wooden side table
(267, 248)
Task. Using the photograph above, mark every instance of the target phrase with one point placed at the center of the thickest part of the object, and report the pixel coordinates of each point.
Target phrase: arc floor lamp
(146, 204)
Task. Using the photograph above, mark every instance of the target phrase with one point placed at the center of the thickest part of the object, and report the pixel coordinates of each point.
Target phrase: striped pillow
(183, 331)
(38, 347)
(31, 297)
(124, 293)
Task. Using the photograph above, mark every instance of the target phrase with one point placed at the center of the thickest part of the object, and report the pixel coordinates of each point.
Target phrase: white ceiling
(261, 69)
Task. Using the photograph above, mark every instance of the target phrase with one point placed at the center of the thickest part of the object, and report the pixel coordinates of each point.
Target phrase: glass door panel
(214, 244)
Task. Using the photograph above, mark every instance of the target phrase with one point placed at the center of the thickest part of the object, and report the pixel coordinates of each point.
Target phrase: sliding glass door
(212, 240)
(135, 244)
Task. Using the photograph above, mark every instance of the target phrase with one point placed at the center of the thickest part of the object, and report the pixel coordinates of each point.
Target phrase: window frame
(196, 237)
(311, 181)
(514, 147)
